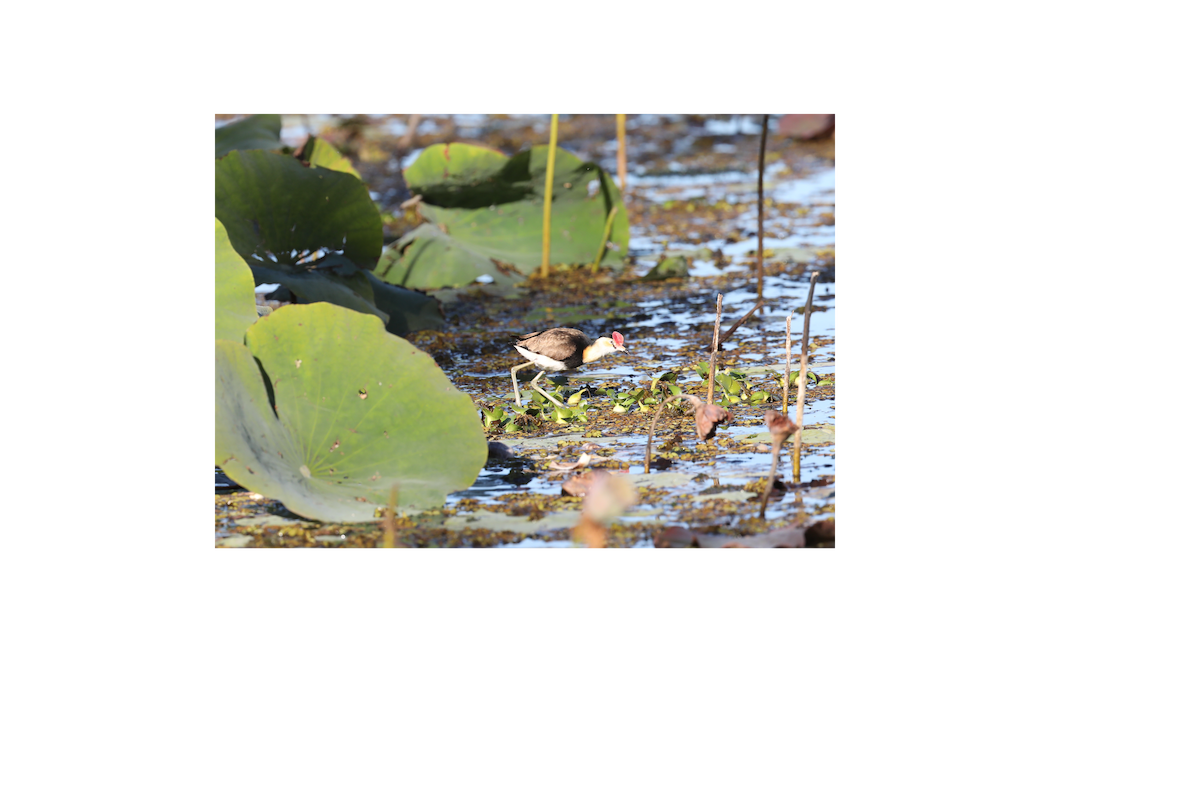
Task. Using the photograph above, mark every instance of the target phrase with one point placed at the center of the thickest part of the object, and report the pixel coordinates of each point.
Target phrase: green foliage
(277, 210)
(256, 132)
(463, 176)
(235, 290)
(668, 267)
(796, 379)
(320, 153)
(666, 382)
(355, 411)
(426, 257)
(494, 416)
(484, 215)
(730, 385)
(316, 232)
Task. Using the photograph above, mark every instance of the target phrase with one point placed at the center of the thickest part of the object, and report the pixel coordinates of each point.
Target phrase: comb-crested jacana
(558, 349)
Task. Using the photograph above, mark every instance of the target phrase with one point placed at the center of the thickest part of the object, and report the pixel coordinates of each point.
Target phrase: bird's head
(603, 346)
(612, 344)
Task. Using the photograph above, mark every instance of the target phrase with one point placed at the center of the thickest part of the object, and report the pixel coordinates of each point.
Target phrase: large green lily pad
(315, 231)
(255, 132)
(279, 212)
(320, 153)
(235, 290)
(356, 411)
(427, 257)
(482, 209)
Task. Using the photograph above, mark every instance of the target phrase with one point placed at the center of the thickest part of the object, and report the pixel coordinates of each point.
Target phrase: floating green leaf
(316, 232)
(356, 411)
(668, 267)
(256, 132)
(279, 212)
(320, 153)
(459, 175)
(729, 384)
(666, 377)
(485, 211)
(427, 257)
(235, 290)
(407, 310)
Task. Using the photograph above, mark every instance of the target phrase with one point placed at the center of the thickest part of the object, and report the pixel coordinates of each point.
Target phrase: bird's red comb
(618, 338)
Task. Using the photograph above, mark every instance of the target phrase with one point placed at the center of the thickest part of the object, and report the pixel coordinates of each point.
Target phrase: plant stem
(604, 242)
(712, 359)
(406, 142)
(738, 324)
(650, 438)
(802, 393)
(389, 519)
(762, 159)
(549, 194)
(621, 151)
(775, 447)
(787, 362)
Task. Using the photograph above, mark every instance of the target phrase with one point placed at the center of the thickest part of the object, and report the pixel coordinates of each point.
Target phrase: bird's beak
(621, 347)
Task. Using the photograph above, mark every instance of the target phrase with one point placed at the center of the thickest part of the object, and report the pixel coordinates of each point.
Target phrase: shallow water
(688, 166)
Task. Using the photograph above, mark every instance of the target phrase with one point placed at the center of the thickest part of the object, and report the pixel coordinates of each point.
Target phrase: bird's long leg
(533, 385)
(515, 370)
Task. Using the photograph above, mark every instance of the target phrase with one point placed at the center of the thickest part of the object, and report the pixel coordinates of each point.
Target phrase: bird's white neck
(594, 351)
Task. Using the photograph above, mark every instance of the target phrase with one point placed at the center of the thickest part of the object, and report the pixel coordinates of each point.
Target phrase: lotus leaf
(256, 132)
(235, 290)
(320, 153)
(311, 230)
(355, 411)
(279, 212)
(482, 209)
(668, 267)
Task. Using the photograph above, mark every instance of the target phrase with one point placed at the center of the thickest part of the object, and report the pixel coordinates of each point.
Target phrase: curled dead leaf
(707, 416)
(806, 126)
(583, 461)
(779, 425)
(610, 494)
(579, 485)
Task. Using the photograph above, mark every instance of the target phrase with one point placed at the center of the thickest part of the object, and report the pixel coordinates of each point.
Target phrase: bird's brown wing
(557, 343)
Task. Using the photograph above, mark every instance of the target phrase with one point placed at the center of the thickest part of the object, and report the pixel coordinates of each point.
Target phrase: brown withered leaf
(806, 126)
(610, 494)
(590, 533)
(583, 461)
(779, 425)
(707, 416)
(580, 484)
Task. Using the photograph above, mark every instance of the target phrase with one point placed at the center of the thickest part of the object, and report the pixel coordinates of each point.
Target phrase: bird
(558, 349)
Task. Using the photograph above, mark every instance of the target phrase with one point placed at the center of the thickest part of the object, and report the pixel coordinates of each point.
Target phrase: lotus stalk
(712, 359)
(802, 392)
(549, 194)
(604, 241)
